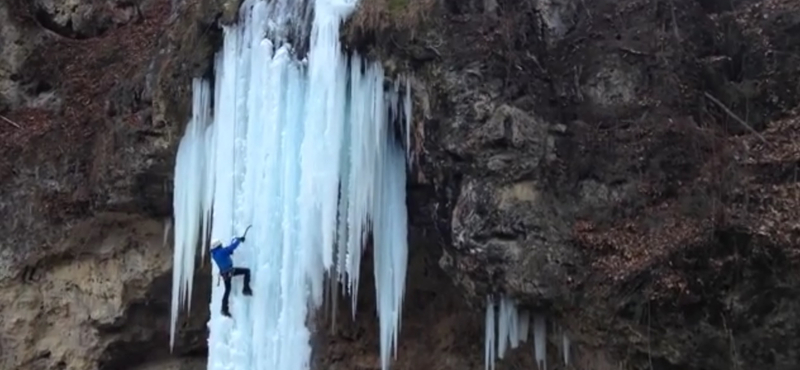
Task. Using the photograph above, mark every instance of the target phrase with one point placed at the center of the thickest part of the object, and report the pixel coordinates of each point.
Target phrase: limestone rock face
(622, 166)
(93, 99)
(82, 19)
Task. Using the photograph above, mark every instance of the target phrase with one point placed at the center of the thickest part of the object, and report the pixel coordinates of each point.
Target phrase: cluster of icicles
(507, 327)
(312, 153)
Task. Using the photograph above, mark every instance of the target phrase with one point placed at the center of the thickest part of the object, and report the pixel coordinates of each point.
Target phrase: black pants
(226, 277)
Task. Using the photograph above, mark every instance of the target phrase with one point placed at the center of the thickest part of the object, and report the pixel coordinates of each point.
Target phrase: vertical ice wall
(310, 153)
(506, 327)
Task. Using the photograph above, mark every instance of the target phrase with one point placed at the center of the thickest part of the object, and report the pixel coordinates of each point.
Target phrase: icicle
(167, 228)
(540, 341)
(509, 326)
(502, 327)
(327, 78)
(513, 324)
(524, 324)
(565, 348)
(187, 202)
(490, 336)
(407, 114)
(367, 111)
(390, 245)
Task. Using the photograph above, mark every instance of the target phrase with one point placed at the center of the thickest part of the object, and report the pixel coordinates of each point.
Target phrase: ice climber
(222, 257)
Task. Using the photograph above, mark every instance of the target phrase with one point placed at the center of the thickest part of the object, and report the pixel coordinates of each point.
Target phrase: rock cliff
(628, 167)
(92, 96)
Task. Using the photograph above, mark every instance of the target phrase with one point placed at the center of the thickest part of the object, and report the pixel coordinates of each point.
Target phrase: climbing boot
(226, 313)
(247, 291)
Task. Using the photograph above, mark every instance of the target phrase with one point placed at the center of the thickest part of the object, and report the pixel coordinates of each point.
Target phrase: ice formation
(540, 341)
(310, 153)
(189, 170)
(491, 335)
(507, 326)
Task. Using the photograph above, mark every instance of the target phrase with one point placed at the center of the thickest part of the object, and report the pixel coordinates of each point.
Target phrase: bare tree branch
(12, 123)
(734, 116)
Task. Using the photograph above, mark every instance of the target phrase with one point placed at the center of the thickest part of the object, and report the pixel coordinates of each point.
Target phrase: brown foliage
(748, 184)
(85, 72)
(380, 16)
(630, 247)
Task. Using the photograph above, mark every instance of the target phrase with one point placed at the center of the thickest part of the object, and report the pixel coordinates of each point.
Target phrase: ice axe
(246, 230)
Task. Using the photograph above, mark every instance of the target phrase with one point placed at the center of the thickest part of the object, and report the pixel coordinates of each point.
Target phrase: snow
(313, 154)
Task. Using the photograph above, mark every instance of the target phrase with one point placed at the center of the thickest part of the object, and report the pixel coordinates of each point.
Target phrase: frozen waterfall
(313, 154)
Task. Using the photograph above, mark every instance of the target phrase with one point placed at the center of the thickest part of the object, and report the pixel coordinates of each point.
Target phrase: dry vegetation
(752, 187)
(376, 17)
(85, 72)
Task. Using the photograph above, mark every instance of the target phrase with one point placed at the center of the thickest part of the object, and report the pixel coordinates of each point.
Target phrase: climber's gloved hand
(241, 239)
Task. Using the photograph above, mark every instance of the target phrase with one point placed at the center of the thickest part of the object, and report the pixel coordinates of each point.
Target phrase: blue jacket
(222, 255)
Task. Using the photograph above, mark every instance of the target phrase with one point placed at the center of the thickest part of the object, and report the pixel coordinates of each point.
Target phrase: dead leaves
(632, 246)
(86, 71)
